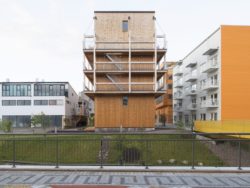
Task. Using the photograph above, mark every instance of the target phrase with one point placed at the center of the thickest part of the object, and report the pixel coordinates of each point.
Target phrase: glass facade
(25, 121)
(8, 102)
(12, 89)
(23, 102)
(50, 90)
(41, 102)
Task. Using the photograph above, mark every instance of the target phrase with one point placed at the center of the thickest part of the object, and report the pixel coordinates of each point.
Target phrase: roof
(124, 11)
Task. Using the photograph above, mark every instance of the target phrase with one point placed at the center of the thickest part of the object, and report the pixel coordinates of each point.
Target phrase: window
(50, 90)
(40, 102)
(12, 89)
(23, 102)
(125, 100)
(125, 25)
(9, 102)
(170, 86)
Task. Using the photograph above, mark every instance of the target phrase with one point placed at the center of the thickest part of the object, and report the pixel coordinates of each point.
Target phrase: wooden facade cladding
(124, 61)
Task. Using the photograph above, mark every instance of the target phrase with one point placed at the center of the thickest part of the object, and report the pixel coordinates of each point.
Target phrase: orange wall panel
(235, 72)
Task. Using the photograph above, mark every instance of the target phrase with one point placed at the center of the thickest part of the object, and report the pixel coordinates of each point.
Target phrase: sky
(42, 39)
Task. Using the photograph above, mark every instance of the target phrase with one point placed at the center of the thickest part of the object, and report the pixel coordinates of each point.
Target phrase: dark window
(23, 102)
(49, 90)
(170, 96)
(18, 121)
(11, 89)
(125, 100)
(9, 102)
(124, 25)
(40, 102)
(170, 86)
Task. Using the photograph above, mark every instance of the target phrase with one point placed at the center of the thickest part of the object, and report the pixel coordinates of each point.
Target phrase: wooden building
(124, 62)
(164, 103)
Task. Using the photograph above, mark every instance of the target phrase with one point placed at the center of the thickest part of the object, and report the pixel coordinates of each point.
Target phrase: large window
(50, 90)
(41, 102)
(11, 89)
(18, 121)
(23, 102)
(9, 102)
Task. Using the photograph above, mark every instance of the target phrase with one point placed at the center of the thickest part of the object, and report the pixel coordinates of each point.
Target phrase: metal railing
(191, 149)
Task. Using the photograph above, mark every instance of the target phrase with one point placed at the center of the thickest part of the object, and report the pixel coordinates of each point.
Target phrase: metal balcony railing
(192, 106)
(211, 85)
(124, 86)
(210, 103)
(210, 66)
(191, 77)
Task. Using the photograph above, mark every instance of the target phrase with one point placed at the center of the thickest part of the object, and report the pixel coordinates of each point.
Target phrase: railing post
(146, 161)
(101, 166)
(239, 157)
(57, 152)
(193, 149)
(14, 152)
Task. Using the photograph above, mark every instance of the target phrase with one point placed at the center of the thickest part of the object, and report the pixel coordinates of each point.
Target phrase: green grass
(85, 149)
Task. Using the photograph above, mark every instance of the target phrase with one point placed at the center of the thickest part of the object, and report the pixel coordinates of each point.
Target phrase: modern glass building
(19, 101)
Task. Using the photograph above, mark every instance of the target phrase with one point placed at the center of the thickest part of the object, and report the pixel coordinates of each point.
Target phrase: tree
(40, 120)
(6, 125)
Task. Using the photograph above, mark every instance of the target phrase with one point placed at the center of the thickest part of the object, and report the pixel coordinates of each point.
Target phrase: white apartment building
(196, 83)
(19, 101)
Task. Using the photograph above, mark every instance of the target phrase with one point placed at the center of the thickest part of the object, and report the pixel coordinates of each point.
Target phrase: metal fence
(192, 149)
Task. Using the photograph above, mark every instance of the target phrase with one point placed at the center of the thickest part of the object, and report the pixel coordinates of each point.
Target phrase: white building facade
(196, 83)
(19, 101)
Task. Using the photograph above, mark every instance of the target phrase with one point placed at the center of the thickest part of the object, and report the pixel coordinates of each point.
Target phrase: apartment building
(164, 103)
(21, 100)
(123, 66)
(212, 81)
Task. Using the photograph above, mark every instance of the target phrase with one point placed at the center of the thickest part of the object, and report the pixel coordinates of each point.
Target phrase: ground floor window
(25, 121)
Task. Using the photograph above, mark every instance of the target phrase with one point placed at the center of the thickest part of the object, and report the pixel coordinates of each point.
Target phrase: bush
(6, 125)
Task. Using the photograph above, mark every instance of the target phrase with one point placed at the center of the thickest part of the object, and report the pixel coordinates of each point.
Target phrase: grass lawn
(172, 150)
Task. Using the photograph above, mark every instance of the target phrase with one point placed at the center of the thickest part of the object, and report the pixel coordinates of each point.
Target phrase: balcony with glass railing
(179, 83)
(210, 85)
(178, 95)
(191, 77)
(192, 106)
(212, 103)
(178, 71)
(178, 107)
(210, 66)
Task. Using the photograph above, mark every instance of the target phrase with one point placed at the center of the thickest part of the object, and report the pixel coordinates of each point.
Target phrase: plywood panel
(111, 113)
(235, 57)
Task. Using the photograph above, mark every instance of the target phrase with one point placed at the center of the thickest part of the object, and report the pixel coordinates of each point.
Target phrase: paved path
(131, 179)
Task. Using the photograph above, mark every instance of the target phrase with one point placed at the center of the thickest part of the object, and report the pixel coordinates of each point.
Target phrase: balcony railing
(112, 66)
(191, 77)
(178, 107)
(210, 104)
(179, 83)
(191, 91)
(178, 71)
(210, 85)
(178, 95)
(210, 66)
(124, 66)
(192, 106)
(124, 86)
(89, 43)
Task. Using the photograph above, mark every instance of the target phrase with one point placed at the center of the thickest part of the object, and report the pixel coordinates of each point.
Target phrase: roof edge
(124, 11)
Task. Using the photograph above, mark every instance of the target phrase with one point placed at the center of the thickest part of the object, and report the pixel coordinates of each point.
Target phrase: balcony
(211, 85)
(192, 106)
(90, 43)
(178, 95)
(178, 71)
(178, 107)
(124, 87)
(142, 66)
(210, 66)
(191, 64)
(210, 104)
(191, 77)
(191, 91)
(111, 66)
(178, 84)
